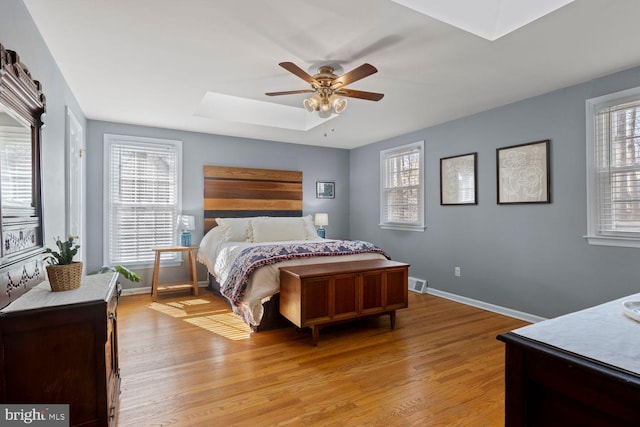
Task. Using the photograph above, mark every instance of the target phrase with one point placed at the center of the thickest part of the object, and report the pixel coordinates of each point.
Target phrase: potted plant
(64, 273)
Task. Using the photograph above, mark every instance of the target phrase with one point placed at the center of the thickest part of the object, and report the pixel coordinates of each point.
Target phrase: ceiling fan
(329, 89)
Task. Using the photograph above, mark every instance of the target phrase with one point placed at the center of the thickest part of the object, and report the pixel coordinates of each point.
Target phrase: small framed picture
(325, 190)
(523, 173)
(458, 179)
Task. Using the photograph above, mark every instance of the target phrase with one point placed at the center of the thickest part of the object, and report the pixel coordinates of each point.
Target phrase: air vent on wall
(417, 285)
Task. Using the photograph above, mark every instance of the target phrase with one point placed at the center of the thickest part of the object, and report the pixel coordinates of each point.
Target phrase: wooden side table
(157, 287)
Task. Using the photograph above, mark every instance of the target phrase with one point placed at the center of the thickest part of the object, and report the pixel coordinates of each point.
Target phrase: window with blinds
(402, 187)
(142, 196)
(614, 166)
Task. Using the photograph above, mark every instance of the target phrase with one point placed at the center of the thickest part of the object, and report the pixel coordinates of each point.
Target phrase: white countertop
(603, 333)
(94, 287)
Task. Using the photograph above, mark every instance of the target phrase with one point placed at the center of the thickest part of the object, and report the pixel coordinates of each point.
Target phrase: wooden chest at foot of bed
(321, 294)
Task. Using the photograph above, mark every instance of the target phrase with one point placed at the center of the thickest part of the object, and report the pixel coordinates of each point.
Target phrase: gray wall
(19, 33)
(317, 164)
(531, 258)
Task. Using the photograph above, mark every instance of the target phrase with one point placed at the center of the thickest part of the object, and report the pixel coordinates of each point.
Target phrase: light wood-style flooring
(188, 361)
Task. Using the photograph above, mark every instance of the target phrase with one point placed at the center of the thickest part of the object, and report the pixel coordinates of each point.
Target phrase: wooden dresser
(321, 294)
(582, 369)
(61, 347)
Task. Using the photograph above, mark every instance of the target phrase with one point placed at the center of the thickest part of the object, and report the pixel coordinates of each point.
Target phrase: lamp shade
(338, 104)
(321, 219)
(311, 104)
(186, 222)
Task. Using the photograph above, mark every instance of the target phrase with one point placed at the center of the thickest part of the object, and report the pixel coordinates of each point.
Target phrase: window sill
(623, 242)
(149, 265)
(402, 227)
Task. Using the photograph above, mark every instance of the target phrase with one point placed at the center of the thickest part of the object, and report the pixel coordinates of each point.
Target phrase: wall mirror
(22, 105)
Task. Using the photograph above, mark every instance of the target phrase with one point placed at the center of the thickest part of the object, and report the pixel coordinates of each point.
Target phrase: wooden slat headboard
(243, 192)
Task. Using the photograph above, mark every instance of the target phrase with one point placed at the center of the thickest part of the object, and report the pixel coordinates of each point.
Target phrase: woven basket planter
(65, 277)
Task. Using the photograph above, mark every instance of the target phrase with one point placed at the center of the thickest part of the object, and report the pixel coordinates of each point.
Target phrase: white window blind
(142, 192)
(402, 187)
(614, 194)
(16, 171)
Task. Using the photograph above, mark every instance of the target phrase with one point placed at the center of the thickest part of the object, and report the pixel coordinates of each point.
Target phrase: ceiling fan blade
(369, 96)
(289, 92)
(354, 75)
(294, 69)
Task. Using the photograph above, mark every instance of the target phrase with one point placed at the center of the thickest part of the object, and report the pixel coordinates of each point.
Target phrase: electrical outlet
(457, 271)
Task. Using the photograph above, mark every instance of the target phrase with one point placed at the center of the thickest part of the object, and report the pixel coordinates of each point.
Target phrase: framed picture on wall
(523, 173)
(325, 190)
(458, 178)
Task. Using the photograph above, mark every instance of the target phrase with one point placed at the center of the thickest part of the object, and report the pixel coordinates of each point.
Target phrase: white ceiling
(152, 62)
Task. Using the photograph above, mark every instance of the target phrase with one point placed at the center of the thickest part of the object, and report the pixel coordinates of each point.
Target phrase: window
(142, 198)
(613, 168)
(402, 187)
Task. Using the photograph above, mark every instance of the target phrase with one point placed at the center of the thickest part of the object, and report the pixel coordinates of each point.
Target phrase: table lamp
(186, 223)
(321, 220)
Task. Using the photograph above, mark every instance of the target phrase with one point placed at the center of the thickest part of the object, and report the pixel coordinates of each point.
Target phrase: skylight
(243, 110)
(490, 19)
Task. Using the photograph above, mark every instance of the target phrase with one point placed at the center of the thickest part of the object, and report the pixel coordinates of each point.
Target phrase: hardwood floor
(188, 361)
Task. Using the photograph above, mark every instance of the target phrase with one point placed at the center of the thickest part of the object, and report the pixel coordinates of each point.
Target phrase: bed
(253, 227)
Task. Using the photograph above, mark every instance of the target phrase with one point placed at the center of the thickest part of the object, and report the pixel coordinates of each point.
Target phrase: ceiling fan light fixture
(339, 104)
(325, 114)
(311, 104)
(325, 106)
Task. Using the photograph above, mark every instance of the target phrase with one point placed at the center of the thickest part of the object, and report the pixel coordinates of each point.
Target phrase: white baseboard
(487, 306)
(147, 289)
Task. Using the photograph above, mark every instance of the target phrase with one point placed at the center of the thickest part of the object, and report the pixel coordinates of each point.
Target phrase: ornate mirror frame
(21, 227)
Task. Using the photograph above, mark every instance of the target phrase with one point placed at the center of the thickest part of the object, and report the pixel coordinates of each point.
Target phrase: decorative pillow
(278, 229)
(235, 229)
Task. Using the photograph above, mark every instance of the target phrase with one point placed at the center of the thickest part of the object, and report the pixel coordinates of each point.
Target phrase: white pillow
(209, 247)
(278, 229)
(235, 229)
(213, 237)
(310, 228)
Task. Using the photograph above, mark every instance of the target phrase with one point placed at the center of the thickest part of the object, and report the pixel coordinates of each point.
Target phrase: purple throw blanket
(252, 258)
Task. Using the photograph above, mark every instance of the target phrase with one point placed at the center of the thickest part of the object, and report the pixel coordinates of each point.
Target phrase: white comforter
(265, 281)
